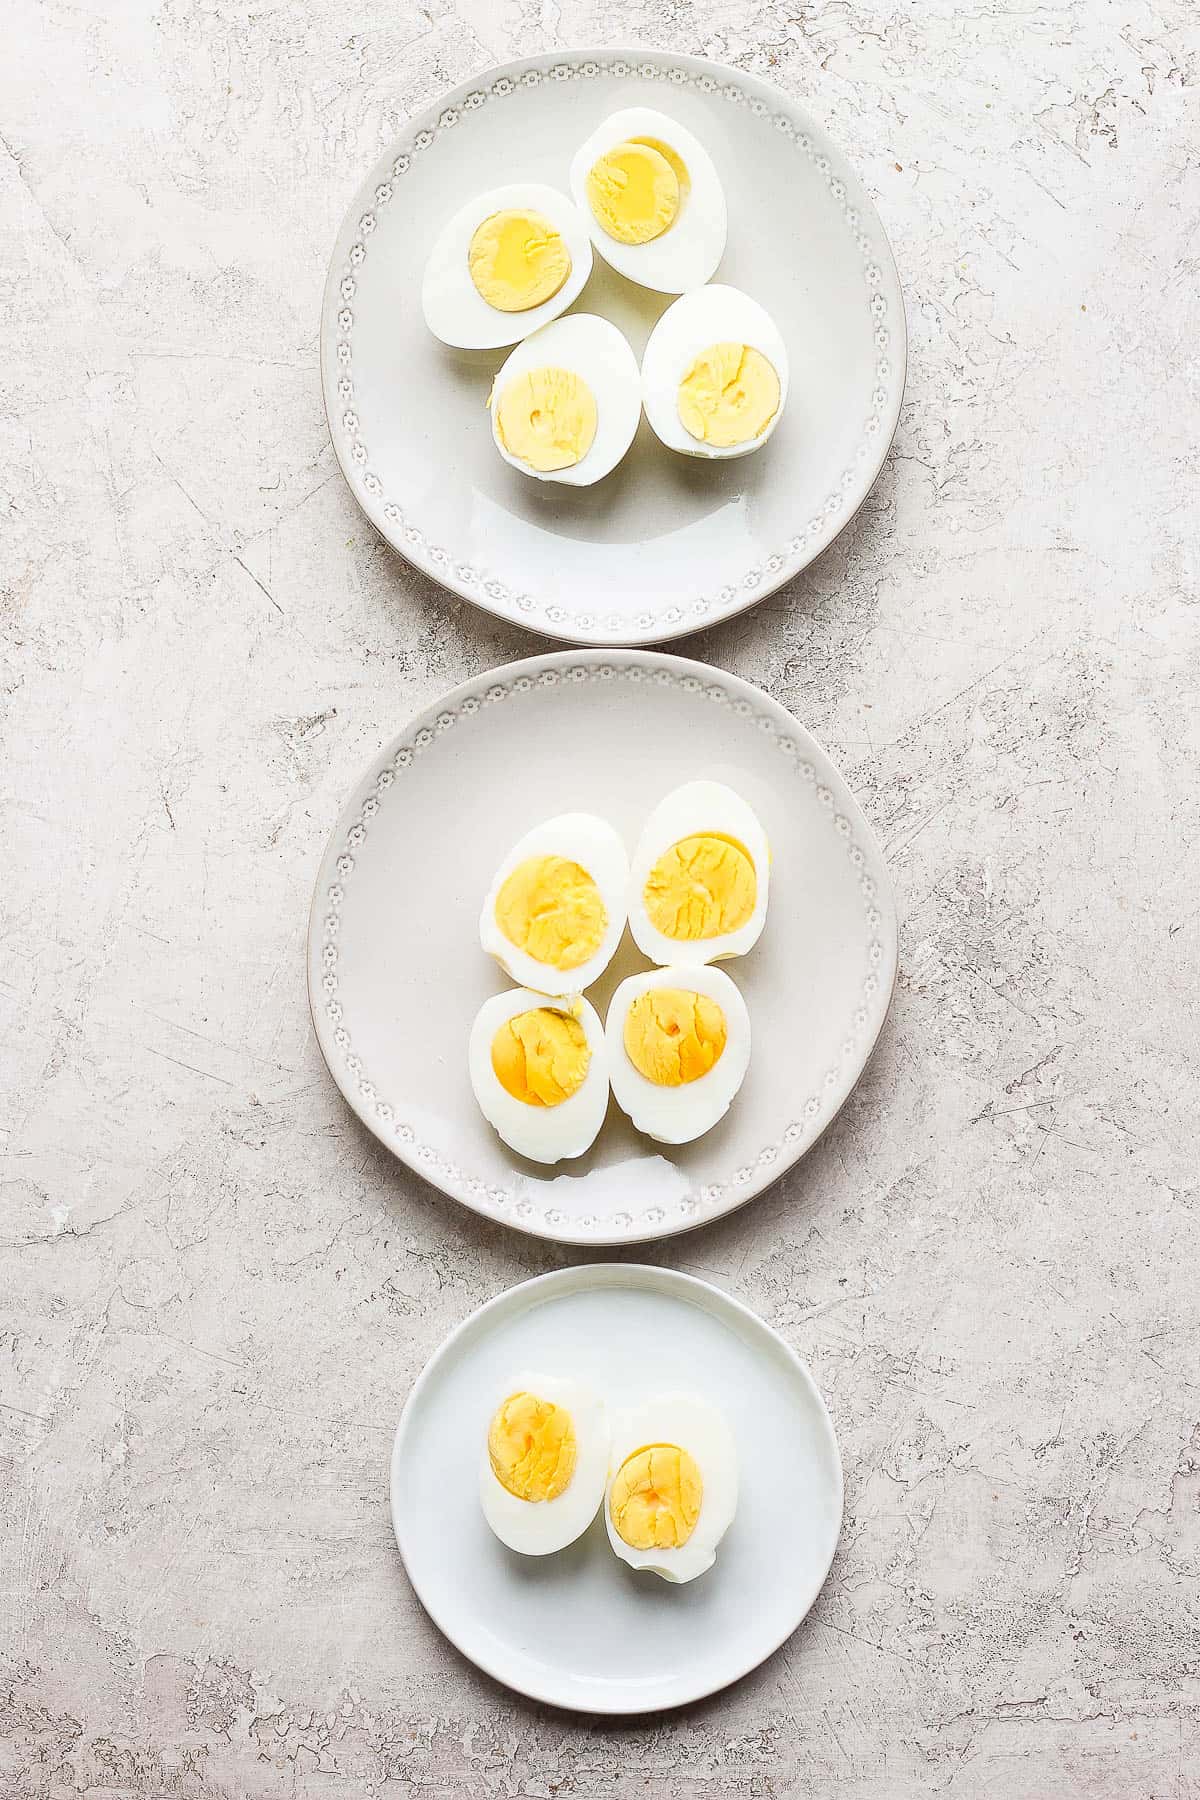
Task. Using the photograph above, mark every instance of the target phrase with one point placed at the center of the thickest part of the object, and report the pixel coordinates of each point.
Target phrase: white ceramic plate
(665, 543)
(396, 974)
(580, 1629)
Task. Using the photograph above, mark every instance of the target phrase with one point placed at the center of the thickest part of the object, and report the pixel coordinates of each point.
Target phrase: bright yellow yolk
(728, 396)
(541, 1057)
(547, 417)
(633, 190)
(656, 1498)
(703, 887)
(531, 1447)
(673, 1036)
(551, 908)
(517, 259)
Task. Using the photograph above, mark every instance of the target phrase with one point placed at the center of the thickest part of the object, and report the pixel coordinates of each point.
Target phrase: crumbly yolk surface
(547, 417)
(656, 1498)
(633, 191)
(551, 908)
(531, 1447)
(728, 396)
(541, 1056)
(673, 1036)
(702, 887)
(517, 259)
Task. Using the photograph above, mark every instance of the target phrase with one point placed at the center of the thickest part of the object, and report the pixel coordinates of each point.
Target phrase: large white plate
(396, 974)
(664, 544)
(580, 1629)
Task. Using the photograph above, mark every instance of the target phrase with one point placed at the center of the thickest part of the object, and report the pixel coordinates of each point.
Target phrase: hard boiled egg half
(544, 1465)
(700, 879)
(508, 262)
(715, 374)
(672, 1493)
(555, 910)
(539, 1070)
(652, 199)
(566, 404)
(678, 1050)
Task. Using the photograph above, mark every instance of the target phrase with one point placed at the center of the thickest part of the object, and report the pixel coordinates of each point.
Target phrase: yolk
(551, 908)
(541, 1056)
(633, 190)
(517, 259)
(531, 1447)
(702, 887)
(656, 1498)
(547, 417)
(673, 1036)
(728, 396)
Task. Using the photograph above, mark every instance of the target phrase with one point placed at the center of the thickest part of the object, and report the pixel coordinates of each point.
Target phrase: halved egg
(672, 1493)
(678, 1050)
(545, 1462)
(700, 879)
(652, 200)
(566, 404)
(508, 262)
(555, 910)
(539, 1068)
(715, 374)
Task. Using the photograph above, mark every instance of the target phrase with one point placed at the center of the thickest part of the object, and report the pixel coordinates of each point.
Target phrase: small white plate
(580, 1629)
(396, 974)
(665, 543)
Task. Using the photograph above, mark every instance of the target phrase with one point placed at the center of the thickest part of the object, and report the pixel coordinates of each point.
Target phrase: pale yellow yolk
(547, 417)
(656, 1498)
(531, 1447)
(673, 1036)
(703, 887)
(633, 190)
(517, 259)
(551, 908)
(728, 396)
(541, 1056)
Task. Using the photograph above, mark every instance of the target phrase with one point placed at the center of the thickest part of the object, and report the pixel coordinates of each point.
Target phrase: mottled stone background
(216, 1289)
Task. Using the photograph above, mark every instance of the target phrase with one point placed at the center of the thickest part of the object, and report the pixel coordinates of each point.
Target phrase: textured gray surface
(216, 1288)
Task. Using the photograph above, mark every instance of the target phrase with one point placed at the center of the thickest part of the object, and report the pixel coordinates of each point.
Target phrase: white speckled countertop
(215, 1287)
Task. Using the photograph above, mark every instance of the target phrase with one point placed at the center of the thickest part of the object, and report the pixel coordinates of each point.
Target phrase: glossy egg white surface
(685, 255)
(698, 807)
(600, 355)
(677, 1115)
(456, 312)
(537, 1528)
(691, 1424)
(545, 1134)
(592, 843)
(714, 315)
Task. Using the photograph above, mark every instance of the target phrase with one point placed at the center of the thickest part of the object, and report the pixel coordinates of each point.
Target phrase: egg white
(599, 354)
(594, 845)
(685, 255)
(545, 1134)
(698, 806)
(537, 1528)
(714, 315)
(697, 1427)
(676, 1115)
(456, 311)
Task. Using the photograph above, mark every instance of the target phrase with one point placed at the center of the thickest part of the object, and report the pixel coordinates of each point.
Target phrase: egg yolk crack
(517, 260)
(656, 1498)
(673, 1036)
(703, 887)
(634, 191)
(551, 908)
(729, 395)
(547, 418)
(541, 1056)
(532, 1447)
